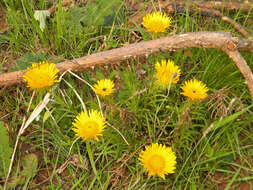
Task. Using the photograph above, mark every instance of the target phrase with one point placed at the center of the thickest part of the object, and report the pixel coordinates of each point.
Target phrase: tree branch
(243, 67)
(173, 6)
(232, 6)
(218, 40)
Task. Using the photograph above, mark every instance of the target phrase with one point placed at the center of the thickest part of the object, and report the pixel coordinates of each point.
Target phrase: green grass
(224, 151)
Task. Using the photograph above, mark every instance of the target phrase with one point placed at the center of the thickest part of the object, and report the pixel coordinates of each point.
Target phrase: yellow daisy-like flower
(156, 22)
(165, 70)
(89, 125)
(158, 160)
(40, 76)
(194, 89)
(104, 87)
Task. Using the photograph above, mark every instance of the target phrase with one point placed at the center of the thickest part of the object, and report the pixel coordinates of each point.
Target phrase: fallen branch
(176, 5)
(231, 6)
(242, 66)
(237, 26)
(218, 40)
(220, 5)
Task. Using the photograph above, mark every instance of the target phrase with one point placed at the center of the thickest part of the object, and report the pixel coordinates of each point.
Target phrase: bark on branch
(232, 6)
(218, 40)
(173, 6)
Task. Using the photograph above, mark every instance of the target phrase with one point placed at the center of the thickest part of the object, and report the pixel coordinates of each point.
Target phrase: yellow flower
(104, 87)
(165, 70)
(158, 160)
(89, 125)
(156, 22)
(40, 76)
(194, 89)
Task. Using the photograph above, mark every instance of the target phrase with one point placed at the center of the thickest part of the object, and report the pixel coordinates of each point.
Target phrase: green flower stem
(90, 154)
(154, 36)
(160, 106)
(187, 105)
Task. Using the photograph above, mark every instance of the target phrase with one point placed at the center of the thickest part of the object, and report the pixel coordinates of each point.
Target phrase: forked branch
(218, 40)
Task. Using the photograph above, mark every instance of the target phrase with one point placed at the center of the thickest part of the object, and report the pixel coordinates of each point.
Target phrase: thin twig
(237, 26)
(175, 6)
(243, 67)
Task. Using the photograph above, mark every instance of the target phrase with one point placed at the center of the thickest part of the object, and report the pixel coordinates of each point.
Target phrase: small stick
(232, 6)
(243, 67)
(238, 27)
(177, 5)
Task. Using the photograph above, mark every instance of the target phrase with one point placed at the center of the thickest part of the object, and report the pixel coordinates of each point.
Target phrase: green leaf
(47, 115)
(41, 15)
(5, 150)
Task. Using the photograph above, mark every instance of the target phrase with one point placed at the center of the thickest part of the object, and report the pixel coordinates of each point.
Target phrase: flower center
(157, 163)
(91, 129)
(104, 89)
(43, 80)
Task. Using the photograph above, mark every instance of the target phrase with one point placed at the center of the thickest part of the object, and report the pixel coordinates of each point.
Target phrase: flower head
(156, 22)
(158, 160)
(104, 87)
(89, 125)
(166, 70)
(194, 89)
(41, 76)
